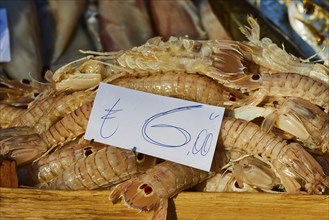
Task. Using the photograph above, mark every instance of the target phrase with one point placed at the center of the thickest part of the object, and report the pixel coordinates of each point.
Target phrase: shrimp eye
(88, 151)
(309, 8)
(26, 81)
(232, 98)
(255, 77)
(140, 157)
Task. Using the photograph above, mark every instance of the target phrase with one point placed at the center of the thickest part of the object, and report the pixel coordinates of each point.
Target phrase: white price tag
(173, 129)
(4, 37)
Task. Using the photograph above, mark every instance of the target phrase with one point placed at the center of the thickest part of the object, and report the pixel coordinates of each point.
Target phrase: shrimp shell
(224, 182)
(290, 161)
(211, 58)
(183, 85)
(150, 191)
(324, 162)
(36, 110)
(48, 167)
(313, 120)
(15, 131)
(256, 173)
(87, 73)
(68, 128)
(245, 174)
(267, 54)
(284, 84)
(8, 114)
(300, 119)
(27, 148)
(62, 107)
(23, 149)
(20, 92)
(101, 168)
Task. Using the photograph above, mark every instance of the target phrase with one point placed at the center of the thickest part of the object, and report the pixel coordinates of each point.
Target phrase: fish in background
(295, 23)
(123, 24)
(47, 32)
(66, 15)
(209, 21)
(233, 14)
(91, 17)
(311, 22)
(79, 41)
(176, 18)
(23, 27)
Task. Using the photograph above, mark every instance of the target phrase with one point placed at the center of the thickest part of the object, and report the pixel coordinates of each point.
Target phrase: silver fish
(311, 22)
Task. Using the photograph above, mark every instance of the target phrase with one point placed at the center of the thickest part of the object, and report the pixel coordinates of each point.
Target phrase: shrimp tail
(117, 192)
(140, 196)
(136, 195)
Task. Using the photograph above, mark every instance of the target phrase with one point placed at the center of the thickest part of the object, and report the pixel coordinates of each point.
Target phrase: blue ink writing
(186, 135)
(202, 144)
(106, 118)
(212, 116)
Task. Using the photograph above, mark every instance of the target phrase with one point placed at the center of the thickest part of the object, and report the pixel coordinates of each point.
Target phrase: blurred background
(45, 34)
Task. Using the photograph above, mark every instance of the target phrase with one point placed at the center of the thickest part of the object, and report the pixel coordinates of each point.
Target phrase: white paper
(4, 37)
(173, 129)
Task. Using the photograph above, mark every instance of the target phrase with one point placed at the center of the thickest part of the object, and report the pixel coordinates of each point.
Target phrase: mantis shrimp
(306, 122)
(92, 166)
(150, 191)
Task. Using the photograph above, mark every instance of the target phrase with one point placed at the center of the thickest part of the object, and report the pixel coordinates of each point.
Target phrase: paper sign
(4, 37)
(181, 131)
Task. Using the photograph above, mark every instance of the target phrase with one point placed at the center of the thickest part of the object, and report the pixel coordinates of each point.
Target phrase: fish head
(311, 22)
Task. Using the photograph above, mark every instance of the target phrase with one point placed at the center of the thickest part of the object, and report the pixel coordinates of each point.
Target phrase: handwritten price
(181, 131)
(202, 142)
